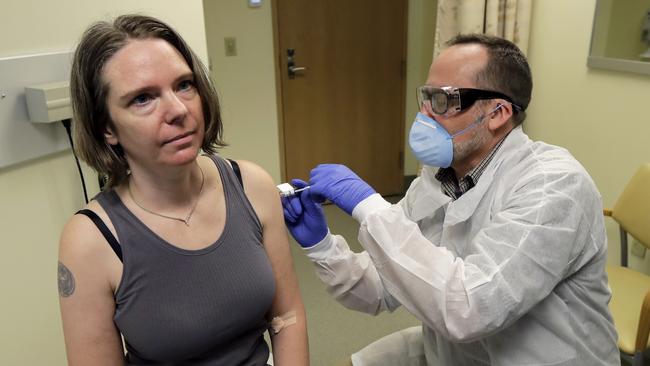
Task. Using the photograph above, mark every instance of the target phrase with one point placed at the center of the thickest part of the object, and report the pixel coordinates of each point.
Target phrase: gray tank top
(194, 307)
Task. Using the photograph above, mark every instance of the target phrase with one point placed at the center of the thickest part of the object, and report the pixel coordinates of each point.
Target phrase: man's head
(506, 70)
(477, 89)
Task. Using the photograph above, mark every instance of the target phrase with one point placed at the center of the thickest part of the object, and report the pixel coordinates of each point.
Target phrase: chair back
(632, 209)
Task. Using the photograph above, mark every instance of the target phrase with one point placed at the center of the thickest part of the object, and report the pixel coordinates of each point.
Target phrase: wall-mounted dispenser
(49, 102)
(20, 139)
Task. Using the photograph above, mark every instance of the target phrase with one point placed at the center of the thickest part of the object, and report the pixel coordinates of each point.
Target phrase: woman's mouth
(180, 139)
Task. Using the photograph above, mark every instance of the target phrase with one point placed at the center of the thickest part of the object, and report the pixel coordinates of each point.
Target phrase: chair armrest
(644, 325)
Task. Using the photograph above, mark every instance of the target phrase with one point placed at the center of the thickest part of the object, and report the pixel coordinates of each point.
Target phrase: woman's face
(154, 105)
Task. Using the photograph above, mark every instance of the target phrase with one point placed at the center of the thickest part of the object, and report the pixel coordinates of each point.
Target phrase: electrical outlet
(638, 249)
(230, 44)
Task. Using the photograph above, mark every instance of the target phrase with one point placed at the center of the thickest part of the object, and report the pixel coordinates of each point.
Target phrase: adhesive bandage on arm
(280, 322)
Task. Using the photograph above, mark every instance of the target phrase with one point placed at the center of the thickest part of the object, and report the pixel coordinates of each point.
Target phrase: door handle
(295, 69)
(292, 69)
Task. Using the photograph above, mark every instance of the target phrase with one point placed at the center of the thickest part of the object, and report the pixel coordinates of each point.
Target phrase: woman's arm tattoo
(66, 281)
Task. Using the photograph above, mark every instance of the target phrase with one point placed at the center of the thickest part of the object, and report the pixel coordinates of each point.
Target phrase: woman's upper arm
(290, 345)
(264, 197)
(86, 295)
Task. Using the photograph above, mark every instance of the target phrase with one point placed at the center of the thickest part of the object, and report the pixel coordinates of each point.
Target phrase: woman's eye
(186, 85)
(141, 99)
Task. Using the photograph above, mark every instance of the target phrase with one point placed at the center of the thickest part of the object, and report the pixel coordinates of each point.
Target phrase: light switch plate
(230, 44)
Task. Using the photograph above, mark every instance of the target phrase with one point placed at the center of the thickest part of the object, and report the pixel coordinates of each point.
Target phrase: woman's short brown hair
(89, 91)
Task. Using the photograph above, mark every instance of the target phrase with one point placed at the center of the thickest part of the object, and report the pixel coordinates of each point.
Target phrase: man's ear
(500, 117)
(110, 136)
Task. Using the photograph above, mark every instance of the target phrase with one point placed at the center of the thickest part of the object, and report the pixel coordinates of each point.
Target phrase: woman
(193, 260)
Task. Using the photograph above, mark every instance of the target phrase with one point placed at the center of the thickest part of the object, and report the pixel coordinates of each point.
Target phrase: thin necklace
(185, 220)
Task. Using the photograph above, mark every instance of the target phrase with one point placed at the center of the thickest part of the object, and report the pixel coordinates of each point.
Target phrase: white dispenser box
(48, 103)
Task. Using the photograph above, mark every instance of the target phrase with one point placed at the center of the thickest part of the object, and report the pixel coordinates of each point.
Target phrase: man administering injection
(499, 247)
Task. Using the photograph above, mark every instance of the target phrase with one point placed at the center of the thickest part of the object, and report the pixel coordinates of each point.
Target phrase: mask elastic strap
(474, 124)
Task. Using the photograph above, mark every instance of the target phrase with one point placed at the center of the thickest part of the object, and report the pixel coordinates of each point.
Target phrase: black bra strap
(235, 168)
(104, 230)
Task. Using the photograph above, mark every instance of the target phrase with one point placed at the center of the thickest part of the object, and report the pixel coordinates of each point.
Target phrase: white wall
(37, 197)
(600, 116)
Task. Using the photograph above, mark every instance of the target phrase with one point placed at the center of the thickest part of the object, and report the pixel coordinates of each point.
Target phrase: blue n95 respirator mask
(432, 144)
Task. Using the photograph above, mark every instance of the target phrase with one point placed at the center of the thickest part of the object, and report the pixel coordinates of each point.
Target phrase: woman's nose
(176, 110)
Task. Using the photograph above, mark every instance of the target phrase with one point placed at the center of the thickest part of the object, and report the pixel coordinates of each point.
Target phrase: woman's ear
(110, 136)
(500, 116)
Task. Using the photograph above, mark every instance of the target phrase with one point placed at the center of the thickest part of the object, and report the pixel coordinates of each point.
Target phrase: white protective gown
(510, 274)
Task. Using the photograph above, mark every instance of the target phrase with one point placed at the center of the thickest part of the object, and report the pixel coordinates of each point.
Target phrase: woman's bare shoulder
(81, 240)
(255, 177)
(254, 171)
(259, 187)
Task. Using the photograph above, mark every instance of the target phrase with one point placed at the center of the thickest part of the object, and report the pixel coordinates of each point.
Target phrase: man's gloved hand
(304, 217)
(340, 185)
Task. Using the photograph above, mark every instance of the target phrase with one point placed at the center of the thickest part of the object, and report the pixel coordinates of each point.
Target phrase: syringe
(287, 190)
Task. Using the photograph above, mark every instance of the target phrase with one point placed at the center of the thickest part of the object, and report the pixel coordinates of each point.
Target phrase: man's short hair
(507, 70)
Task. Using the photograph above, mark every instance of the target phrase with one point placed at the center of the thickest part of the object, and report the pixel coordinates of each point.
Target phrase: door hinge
(400, 162)
(403, 69)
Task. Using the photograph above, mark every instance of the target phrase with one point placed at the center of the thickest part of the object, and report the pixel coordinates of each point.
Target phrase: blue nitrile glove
(340, 185)
(304, 217)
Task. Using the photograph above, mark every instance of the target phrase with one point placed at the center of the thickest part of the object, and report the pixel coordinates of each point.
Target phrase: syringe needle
(300, 189)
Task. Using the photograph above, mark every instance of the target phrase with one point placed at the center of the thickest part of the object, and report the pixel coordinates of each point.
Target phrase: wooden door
(347, 105)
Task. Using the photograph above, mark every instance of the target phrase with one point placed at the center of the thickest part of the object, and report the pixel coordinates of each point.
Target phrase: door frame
(277, 57)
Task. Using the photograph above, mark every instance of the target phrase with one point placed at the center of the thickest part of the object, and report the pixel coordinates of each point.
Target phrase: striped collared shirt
(454, 189)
